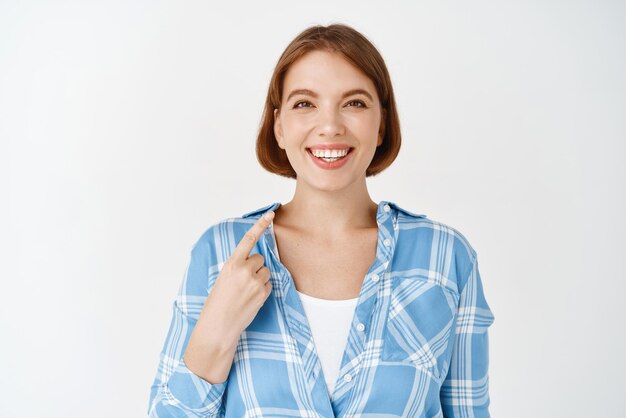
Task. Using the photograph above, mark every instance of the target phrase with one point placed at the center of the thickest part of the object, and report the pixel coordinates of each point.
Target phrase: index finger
(242, 251)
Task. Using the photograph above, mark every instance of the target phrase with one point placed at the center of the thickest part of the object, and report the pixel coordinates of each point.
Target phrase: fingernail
(269, 215)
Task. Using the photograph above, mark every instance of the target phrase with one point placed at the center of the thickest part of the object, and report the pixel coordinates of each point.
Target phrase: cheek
(365, 128)
(296, 121)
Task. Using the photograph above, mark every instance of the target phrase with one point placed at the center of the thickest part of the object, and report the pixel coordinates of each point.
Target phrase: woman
(331, 304)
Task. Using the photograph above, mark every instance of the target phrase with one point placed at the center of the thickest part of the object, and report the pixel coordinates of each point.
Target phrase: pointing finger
(247, 243)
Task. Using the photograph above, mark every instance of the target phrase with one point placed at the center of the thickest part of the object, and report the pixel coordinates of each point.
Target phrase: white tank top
(330, 322)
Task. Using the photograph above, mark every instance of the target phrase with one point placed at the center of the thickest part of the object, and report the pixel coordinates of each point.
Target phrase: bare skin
(328, 266)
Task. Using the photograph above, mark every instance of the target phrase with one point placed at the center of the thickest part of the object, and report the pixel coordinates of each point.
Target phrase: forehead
(327, 73)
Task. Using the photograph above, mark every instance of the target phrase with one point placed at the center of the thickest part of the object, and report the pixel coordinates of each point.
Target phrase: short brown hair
(359, 51)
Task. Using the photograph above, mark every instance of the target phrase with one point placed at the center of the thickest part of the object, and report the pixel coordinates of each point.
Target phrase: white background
(128, 127)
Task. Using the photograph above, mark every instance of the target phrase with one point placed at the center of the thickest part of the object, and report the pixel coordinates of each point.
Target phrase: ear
(278, 129)
(381, 130)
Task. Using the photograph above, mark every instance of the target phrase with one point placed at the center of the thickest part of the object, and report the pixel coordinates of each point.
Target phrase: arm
(176, 391)
(465, 390)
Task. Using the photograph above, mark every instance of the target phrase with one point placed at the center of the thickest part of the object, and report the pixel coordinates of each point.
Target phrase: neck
(318, 211)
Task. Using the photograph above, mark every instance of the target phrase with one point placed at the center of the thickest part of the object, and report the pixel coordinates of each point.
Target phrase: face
(328, 103)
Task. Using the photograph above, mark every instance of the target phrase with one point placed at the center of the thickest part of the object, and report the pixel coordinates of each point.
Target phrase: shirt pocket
(420, 324)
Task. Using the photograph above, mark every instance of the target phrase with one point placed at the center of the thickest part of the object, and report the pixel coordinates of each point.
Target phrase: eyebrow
(314, 94)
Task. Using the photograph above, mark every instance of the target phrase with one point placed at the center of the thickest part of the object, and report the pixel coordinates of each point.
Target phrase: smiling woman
(370, 309)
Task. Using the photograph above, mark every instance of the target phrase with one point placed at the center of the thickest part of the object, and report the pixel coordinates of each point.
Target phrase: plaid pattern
(417, 346)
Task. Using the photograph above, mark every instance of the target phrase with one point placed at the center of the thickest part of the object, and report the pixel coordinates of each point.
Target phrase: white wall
(127, 128)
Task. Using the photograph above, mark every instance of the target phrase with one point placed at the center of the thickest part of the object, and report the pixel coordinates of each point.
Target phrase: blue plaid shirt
(417, 346)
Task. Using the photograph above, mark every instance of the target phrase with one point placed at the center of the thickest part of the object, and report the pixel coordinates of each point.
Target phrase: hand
(243, 285)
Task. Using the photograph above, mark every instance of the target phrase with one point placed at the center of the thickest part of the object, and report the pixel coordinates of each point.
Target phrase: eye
(295, 106)
(359, 102)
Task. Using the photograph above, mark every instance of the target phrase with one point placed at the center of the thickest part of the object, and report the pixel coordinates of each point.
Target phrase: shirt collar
(381, 207)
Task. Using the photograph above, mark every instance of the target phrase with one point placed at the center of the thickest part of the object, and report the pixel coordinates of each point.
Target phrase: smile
(328, 159)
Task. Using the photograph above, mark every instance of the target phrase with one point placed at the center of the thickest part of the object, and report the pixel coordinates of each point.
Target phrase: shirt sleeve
(465, 390)
(176, 391)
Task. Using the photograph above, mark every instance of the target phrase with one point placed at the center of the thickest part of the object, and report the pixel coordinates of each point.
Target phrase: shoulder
(434, 246)
(208, 254)
(227, 232)
(444, 233)
(420, 223)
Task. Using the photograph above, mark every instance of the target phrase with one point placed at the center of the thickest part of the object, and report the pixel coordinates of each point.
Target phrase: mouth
(330, 159)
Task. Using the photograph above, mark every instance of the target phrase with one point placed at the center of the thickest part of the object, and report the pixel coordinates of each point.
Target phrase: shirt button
(375, 277)
(347, 377)
(360, 327)
(386, 208)
(387, 242)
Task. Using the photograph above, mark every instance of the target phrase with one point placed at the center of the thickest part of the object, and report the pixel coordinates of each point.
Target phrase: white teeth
(330, 153)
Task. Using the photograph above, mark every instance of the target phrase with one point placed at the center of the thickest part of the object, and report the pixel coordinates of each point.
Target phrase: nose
(330, 123)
